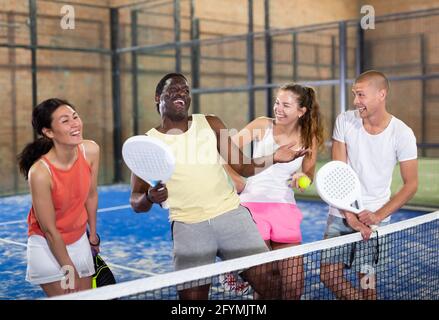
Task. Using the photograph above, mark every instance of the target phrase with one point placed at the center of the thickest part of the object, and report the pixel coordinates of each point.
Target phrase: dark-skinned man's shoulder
(215, 122)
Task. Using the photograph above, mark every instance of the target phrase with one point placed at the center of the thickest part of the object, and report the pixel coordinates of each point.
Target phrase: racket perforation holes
(155, 164)
(339, 183)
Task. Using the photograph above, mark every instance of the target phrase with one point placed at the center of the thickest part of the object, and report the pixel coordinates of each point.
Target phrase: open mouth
(180, 103)
(76, 133)
(278, 116)
(361, 109)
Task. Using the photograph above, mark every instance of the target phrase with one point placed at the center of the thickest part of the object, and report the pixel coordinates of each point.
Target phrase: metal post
(177, 35)
(268, 60)
(115, 72)
(33, 43)
(359, 51)
(195, 58)
(423, 95)
(333, 68)
(13, 64)
(250, 63)
(295, 58)
(192, 16)
(343, 65)
(134, 70)
(195, 65)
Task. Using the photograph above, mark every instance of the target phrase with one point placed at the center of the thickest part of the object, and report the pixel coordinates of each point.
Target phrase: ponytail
(311, 123)
(32, 152)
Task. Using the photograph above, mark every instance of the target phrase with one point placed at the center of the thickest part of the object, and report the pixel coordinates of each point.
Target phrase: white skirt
(42, 266)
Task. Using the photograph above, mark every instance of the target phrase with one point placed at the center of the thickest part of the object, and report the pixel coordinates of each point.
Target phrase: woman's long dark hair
(41, 118)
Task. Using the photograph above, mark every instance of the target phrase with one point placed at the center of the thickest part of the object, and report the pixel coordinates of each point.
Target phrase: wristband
(148, 198)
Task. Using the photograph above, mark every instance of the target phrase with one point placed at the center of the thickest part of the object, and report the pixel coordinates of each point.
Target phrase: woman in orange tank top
(62, 171)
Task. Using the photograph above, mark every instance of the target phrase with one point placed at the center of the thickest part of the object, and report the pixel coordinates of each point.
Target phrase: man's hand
(368, 218)
(157, 194)
(365, 232)
(357, 225)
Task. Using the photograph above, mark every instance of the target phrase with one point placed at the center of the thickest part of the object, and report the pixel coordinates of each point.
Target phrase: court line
(12, 222)
(127, 206)
(113, 265)
(99, 210)
(13, 242)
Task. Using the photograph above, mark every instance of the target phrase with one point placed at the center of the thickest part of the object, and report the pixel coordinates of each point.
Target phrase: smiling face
(286, 107)
(369, 96)
(175, 99)
(66, 126)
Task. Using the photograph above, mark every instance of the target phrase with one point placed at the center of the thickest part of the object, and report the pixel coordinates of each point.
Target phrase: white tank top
(270, 185)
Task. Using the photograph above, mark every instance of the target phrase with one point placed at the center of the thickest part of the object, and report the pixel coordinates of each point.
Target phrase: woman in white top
(268, 195)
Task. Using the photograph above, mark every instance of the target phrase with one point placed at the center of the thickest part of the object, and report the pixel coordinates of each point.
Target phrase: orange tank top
(69, 191)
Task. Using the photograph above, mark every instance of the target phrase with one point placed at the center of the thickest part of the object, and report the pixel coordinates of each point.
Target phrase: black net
(399, 262)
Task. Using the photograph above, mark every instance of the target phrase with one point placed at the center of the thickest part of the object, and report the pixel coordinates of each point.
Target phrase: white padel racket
(338, 185)
(150, 159)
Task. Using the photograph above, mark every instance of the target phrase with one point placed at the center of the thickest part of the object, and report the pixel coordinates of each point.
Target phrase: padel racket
(150, 159)
(103, 275)
(338, 185)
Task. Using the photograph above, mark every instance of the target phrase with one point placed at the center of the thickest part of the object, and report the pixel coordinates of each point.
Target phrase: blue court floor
(134, 245)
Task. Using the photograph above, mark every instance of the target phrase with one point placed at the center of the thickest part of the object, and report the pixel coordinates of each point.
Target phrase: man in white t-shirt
(372, 142)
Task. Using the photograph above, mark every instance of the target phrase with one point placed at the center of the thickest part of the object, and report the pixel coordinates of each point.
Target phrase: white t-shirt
(272, 184)
(373, 157)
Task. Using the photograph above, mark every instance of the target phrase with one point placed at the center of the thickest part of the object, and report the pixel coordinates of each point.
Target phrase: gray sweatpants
(230, 235)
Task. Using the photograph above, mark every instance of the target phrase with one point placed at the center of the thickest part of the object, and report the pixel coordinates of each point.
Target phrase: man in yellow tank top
(207, 219)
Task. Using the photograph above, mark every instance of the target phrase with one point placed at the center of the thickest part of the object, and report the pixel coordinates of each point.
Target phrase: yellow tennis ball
(304, 182)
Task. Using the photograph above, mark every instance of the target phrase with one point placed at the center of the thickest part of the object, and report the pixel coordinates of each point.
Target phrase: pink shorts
(278, 222)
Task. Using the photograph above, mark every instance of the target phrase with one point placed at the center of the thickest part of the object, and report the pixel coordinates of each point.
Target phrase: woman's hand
(95, 242)
(294, 181)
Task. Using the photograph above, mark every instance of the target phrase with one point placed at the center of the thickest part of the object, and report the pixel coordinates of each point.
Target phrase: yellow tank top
(200, 188)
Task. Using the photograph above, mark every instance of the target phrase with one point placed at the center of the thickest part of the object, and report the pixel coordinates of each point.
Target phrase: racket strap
(376, 252)
(376, 256)
(351, 256)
